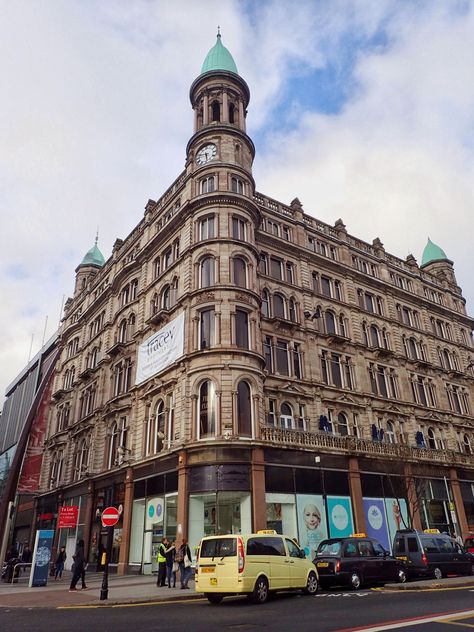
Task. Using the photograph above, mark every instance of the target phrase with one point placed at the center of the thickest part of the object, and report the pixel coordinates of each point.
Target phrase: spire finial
(218, 31)
(97, 236)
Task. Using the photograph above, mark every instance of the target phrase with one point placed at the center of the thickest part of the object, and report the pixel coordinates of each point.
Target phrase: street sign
(110, 517)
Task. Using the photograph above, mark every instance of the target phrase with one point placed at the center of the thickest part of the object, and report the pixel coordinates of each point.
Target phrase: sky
(364, 110)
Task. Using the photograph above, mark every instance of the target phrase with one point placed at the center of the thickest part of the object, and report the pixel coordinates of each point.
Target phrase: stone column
(241, 116)
(259, 507)
(414, 503)
(205, 110)
(182, 510)
(462, 526)
(355, 488)
(126, 523)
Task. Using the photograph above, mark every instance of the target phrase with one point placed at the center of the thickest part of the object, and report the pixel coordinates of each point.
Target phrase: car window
(400, 545)
(265, 546)
(366, 549)
(351, 550)
(378, 549)
(444, 545)
(412, 545)
(220, 547)
(430, 546)
(329, 548)
(293, 550)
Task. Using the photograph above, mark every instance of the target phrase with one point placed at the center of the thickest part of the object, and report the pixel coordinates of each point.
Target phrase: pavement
(134, 589)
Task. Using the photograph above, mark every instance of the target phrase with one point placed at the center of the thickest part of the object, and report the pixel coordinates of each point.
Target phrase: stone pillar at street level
(462, 526)
(259, 507)
(88, 517)
(414, 501)
(182, 515)
(355, 488)
(126, 523)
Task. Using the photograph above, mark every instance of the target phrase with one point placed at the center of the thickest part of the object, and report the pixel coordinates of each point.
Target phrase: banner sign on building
(340, 516)
(67, 518)
(376, 521)
(41, 558)
(160, 350)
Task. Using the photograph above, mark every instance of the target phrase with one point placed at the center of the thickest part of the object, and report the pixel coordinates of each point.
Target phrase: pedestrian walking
(184, 559)
(161, 559)
(171, 565)
(59, 564)
(79, 569)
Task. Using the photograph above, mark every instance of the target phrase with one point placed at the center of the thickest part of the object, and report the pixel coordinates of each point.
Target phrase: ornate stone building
(237, 364)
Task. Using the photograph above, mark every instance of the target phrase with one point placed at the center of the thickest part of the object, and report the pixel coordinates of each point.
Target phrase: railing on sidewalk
(16, 575)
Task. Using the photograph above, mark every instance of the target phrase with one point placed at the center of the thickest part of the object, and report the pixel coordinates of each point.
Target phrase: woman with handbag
(184, 559)
(171, 564)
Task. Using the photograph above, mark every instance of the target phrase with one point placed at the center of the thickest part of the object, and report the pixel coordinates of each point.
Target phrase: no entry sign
(110, 517)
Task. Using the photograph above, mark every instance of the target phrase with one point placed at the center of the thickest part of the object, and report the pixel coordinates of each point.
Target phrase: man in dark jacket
(79, 570)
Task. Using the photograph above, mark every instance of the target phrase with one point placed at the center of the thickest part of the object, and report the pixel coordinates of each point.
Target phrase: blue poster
(339, 516)
(41, 558)
(397, 515)
(376, 521)
(311, 522)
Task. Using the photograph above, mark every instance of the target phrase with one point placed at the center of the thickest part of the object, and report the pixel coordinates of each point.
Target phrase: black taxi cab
(356, 560)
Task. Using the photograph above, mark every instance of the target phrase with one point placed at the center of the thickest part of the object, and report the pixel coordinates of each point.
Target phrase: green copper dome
(219, 58)
(93, 258)
(432, 253)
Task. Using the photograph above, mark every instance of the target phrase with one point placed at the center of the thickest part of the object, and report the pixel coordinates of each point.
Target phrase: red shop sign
(67, 518)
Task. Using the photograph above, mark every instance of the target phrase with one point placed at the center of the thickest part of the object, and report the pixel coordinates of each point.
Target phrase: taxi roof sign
(431, 531)
(358, 535)
(267, 532)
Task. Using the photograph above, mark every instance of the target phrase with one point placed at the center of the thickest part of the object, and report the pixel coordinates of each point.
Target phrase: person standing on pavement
(161, 559)
(79, 567)
(170, 555)
(59, 563)
(185, 561)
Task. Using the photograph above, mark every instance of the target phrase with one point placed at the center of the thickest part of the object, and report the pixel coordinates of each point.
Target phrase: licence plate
(213, 581)
(322, 564)
(207, 569)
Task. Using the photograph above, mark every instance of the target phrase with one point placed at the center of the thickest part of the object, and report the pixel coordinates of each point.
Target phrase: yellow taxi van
(252, 565)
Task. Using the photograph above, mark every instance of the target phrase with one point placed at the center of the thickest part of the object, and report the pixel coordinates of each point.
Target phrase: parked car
(469, 545)
(356, 560)
(430, 553)
(252, 565)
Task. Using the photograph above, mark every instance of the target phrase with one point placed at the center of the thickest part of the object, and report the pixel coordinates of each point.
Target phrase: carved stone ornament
(204, 298)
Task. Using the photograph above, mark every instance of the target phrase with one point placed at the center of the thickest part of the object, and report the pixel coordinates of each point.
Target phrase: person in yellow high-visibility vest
(161, 559)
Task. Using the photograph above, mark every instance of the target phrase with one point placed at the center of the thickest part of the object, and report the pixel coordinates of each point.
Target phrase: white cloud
(96, 116)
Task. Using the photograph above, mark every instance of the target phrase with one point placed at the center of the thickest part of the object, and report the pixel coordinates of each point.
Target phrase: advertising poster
(339, 516)
(312, 526)
(376, 521)
(154, 512)
(161, 349)
(41, 558)
(397, 516)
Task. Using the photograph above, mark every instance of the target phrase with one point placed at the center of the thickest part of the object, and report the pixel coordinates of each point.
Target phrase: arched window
(432, 439)
(244, 410)
(286, 416)
(165, 297)
(160, 421)
(342, 325)
(206, 273)
(231, 113)
(374, 336)
(279, 306)
(342, 424)
(292, 311)
(365, 333)
(216, 111)
(206, 412)
(330, 321)
(131, 325)
(237, 185)
(122, 332)
(208, 184)
(467, 445)
(240, 272)
(265, 304)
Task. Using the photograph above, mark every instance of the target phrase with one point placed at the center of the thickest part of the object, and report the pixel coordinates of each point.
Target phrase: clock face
(206, 153)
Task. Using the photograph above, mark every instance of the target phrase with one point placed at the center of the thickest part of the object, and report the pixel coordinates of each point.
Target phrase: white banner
(160, 350)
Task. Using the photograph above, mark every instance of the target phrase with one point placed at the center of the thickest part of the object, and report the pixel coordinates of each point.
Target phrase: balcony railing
(355, 446)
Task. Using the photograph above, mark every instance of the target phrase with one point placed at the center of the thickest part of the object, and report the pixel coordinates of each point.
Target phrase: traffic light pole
(104, 591)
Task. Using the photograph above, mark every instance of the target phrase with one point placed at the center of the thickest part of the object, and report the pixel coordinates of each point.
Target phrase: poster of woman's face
(312, 526)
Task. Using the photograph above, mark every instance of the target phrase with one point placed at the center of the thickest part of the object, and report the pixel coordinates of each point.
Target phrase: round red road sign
(110, 517)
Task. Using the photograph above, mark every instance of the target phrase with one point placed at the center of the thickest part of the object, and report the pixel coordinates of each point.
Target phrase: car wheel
(260, 591)
(311, 584)
(355, 581)
(437, 573)
(401, 576)
(214, 598)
